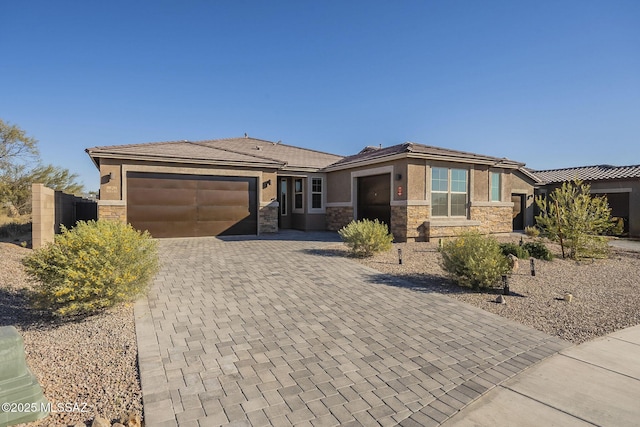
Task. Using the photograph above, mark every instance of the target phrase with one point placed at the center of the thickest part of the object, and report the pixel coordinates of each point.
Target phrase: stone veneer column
(338, 216)
(407, 222)
(268, 219)
(112, 210)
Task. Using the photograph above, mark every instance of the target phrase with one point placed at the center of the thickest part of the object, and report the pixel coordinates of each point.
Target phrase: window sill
(452, 222)
(491, 204)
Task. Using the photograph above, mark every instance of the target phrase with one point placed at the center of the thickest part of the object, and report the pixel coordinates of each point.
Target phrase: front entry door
(519, 210)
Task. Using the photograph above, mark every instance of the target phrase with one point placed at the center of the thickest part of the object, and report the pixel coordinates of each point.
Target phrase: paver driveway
(278, 332)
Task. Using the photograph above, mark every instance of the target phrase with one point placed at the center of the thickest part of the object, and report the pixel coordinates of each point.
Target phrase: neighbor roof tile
(588, 173)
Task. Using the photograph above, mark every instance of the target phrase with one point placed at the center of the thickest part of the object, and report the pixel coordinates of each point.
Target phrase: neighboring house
(251, 186)
(621, 185)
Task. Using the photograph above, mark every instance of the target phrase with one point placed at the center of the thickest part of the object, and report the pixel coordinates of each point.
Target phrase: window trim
(449, 192)
(312, 193)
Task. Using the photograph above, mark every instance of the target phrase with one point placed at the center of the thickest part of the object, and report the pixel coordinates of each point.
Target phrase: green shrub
(366, 237)
(474, 260)
(514, 249)
(91, 267)
(532, 231)
(538, 250)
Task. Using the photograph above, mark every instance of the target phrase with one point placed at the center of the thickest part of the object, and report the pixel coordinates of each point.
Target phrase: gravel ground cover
(606, 293)
(91, 361)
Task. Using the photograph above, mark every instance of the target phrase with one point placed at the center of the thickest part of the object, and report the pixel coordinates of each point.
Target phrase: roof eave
(289, 168)
(190, 160)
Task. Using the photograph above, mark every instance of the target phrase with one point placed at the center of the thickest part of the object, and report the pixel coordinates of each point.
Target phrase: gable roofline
(127, 152)
(588, 173)
(533, 177)
(372, 155)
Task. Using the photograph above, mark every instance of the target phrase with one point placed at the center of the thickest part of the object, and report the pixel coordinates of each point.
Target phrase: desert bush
(366, 237)
(474, 260)
(532, 231)
(91, 267)
(514, 249)
(538, 250)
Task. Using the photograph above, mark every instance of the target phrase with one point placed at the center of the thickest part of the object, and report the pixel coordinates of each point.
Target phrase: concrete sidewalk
(596, 383)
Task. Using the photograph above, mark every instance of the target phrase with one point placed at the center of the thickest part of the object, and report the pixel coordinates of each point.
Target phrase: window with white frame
(449, 191)
(316, 193)
(298, 194)
(495, 186)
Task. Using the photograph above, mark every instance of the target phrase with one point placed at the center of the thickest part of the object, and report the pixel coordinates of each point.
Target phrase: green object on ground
(21, 397)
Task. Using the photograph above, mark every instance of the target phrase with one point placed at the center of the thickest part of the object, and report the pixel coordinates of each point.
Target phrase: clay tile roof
(419, 150)
(250, 151)
(588, 173)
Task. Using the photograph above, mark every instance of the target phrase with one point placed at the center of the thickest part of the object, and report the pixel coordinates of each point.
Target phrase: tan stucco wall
(517, 183)
(480, 180)
(43, 215)
(339, 183)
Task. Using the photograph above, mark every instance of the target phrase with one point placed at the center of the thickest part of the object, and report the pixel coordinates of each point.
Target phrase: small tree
(571, 216)
(15, 145)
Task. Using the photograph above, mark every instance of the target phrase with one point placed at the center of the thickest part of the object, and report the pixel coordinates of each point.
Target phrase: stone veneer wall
(485, 219)
(493, 219)
(112, 212)
(338, 216)
(268, 221)
(449, 231)
(407, 222)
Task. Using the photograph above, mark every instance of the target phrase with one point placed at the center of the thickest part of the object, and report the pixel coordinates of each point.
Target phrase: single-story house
(621, 185)
(252, 186)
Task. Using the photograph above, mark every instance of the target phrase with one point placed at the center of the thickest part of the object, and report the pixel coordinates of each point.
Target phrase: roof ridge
(200, 144)
(586, 167)
(137, 144)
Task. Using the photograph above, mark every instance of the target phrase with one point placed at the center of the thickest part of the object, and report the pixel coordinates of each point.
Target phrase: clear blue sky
(549, 83)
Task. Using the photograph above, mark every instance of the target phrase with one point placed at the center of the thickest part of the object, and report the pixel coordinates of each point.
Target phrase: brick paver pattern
(278, 332)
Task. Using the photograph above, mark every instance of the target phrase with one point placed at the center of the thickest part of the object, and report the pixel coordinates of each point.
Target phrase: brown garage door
(173, 205)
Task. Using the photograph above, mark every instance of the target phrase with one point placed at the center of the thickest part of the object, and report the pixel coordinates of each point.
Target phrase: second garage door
(174, 205)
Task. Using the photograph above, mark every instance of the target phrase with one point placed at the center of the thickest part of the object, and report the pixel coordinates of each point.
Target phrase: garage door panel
(225, 198)
(170, 197)
(176, 205)
(225, 185)
(157, 213)
(223, 213)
